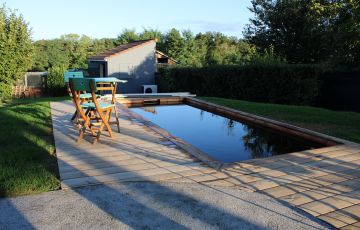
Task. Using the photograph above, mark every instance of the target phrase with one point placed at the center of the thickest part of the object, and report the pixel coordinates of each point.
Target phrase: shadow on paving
(141, 210)
(205, 213)
(11, 217)
(313, 176)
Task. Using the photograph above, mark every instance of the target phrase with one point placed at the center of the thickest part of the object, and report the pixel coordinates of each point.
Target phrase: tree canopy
(304, 31)
(69, 51)
(72, 50)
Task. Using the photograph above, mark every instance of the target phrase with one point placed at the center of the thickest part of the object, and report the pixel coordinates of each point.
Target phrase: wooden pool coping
(258, 121)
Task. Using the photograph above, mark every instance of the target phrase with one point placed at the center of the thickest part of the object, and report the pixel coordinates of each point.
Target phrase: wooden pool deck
(323, 182)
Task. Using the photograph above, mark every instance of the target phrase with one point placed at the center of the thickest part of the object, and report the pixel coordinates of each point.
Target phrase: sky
(107, 18)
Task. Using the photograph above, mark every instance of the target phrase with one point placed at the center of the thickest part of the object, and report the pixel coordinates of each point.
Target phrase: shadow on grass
(27, 162)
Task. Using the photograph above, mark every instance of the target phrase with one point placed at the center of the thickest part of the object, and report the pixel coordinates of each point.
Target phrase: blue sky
(107, 18)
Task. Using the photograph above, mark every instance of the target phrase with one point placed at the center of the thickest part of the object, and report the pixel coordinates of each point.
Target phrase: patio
(323, 182)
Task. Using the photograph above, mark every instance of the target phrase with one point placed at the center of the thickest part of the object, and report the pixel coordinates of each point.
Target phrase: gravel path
(143, 205)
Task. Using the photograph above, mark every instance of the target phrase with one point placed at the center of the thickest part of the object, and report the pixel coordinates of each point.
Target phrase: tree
(173, 43)
(191, 53)
(41, 57)
(55, 51)
(151, 34)
(16, 49)
(344, 31)
(219, 49)
(289, 26)
(304, 31)
(69, 51)
(76, 48)
(127, 36)
(100, 45)
(73, 50)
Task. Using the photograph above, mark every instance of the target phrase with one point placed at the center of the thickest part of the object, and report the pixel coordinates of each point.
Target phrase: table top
(107, 79)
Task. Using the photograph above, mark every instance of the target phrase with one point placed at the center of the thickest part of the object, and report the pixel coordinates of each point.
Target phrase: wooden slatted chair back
(76, 85)
(70, 74)
(81, 84)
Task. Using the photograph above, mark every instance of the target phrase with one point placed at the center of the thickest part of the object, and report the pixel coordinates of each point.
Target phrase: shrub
(16, 50)
(275, 83)
(55, 81)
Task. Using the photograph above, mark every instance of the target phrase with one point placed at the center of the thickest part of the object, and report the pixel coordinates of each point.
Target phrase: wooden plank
(106, 171)
(99, 165)
(119, 176)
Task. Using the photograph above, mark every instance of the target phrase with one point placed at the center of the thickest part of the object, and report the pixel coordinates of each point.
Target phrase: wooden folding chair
(102, 109)
(108, 85)
(84, 96)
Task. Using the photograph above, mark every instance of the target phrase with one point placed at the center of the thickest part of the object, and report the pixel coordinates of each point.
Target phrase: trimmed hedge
(341, 91)
(281, 83)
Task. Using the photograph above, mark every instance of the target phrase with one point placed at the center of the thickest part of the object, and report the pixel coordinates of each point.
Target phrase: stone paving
(324, 182)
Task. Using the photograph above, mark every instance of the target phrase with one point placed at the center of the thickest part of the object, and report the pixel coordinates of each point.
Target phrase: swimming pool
(221, 138)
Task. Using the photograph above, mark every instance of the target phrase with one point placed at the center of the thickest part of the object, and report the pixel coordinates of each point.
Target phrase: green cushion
(87, 96)
(103, 105)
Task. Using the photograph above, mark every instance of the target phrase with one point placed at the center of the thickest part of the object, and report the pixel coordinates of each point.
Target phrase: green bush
(55, 81)
(275, 83)
(16, 49)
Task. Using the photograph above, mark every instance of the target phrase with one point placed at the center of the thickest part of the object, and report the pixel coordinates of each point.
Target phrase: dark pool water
(219, 137)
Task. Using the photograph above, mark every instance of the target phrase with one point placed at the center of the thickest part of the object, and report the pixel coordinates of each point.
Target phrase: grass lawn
(344, 125)
(27, 160)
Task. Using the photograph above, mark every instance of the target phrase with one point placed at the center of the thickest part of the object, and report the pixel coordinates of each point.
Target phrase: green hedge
(280, 83)
(341, 90)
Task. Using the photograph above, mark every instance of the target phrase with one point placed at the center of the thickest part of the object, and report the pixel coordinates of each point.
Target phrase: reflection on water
(222, 138)
(150, 109)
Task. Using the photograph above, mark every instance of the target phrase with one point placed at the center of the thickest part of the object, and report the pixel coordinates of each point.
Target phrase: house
(135, 62)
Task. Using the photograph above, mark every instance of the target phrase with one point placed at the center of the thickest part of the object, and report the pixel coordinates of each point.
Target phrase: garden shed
(135, 62)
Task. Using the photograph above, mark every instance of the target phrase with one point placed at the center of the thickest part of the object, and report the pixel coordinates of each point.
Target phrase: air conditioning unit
(150, 88)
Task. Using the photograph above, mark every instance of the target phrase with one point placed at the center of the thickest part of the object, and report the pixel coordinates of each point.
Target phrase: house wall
(136, 65)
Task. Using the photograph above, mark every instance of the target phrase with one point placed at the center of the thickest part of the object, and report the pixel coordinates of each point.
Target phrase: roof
(161, 53)
(119, 49)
